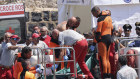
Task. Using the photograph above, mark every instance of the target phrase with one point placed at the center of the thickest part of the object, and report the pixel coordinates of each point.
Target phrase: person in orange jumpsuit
(103, 38)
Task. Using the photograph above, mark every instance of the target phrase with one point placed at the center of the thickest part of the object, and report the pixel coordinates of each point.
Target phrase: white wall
(124, 14)
(85, 14)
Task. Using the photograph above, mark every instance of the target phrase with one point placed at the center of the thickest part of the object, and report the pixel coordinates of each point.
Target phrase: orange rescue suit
(103, 38)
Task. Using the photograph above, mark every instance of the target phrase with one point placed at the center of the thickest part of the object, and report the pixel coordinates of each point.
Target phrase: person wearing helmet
(72, 38)
(8, 57)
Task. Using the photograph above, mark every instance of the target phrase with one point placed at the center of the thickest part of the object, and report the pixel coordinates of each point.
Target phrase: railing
(129, 48)
(62, 61)
(123, 39)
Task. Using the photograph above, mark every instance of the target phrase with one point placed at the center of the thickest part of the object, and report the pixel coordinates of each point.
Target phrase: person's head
(95, 11)
(7, 36)
(43, 30)
(28, 40)
(78, 20)
(36, 29)
(14, 39)
(55, 34)
(137, 24)
(35, 38)
(71, 22)
(130, 58)
(122, 60)
(26, 52)
(108, 12)
(62, 26)
(127, 29)
(117, 30)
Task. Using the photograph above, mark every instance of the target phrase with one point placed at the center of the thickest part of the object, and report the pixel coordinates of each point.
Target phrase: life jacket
(18, 67)
(26, 75)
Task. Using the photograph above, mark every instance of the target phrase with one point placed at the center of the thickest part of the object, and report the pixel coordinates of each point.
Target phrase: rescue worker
(8, 58)
(77, 23)
(73, 38)
(39, 44)
(7, 36)
(103, 38)
(73, 23)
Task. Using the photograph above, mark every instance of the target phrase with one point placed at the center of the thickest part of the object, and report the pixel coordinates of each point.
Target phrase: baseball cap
(137, 24)
(35, 35)
(15, 37)
(127, 27)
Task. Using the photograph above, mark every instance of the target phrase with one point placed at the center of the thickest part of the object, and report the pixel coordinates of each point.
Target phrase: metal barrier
(38, 48)
(62, 61)
(126, 39)
(137, 55)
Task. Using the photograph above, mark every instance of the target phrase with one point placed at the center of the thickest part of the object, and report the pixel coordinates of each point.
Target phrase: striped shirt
(69, 37)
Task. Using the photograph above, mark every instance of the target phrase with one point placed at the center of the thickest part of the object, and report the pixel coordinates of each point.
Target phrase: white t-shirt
(69, 37)
(8, 56)
(41, 44)
(36, 52)
(126, 72)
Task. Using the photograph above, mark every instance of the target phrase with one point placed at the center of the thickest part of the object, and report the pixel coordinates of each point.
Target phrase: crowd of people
(106, 35)
(20, 64)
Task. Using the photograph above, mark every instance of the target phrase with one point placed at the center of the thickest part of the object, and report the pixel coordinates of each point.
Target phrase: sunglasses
(16, 39)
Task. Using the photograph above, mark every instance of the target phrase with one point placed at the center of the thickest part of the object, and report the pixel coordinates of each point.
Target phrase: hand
(65, 57)
(56, 66)
(38, 70)
(92, 48)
